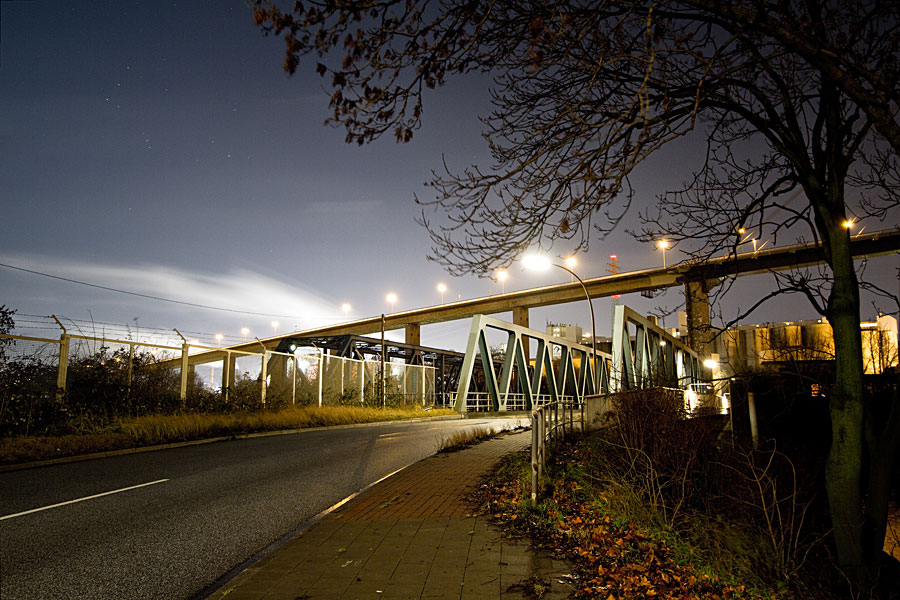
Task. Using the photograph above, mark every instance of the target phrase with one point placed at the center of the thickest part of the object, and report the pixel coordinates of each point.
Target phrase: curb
(110, 453)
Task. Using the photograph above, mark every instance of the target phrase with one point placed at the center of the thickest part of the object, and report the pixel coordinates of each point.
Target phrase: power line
(193, 304)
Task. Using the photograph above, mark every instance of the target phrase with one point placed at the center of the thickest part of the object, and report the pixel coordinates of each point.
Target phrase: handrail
(548, 422)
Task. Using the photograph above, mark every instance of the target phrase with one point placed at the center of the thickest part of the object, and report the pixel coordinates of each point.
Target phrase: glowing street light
(245, 331)
(502, 275)
(848, 223)
(274, 327)
(391, 298)
(346, 308)
(540, 262)
(441, 288)
(662, 245)
(219, 338)
(571, 262)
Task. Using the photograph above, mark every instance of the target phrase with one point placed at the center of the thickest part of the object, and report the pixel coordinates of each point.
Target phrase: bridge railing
(550, 423)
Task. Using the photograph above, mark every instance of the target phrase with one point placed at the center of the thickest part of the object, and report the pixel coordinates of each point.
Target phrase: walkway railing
(553, 421)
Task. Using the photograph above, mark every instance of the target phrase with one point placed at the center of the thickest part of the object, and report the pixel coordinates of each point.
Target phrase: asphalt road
(186, 517)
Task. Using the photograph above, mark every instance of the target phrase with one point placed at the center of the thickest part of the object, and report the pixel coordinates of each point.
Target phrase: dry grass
(467, 437)
(154, 430)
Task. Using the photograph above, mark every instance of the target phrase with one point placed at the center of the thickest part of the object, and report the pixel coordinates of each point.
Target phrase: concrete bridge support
(520, 318)
(228, 367)
(699, 332)
(413, 336)
(277, 372)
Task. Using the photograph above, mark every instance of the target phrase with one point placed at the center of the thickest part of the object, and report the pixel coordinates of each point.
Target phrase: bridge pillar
(699, 333)
(413, 336)
(520, 318)
(228, 365)
(277, 372)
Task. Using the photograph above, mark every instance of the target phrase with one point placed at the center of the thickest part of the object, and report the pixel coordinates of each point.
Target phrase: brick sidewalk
(410, 536)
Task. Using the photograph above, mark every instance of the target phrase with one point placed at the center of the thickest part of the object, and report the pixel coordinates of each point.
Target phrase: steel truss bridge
(643, 354)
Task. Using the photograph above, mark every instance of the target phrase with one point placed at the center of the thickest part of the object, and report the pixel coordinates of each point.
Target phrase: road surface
(170, 523)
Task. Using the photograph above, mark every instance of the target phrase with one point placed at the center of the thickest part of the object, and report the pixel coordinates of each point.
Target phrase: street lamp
(391, 298)
(219, 338)
(540, 262)
(570, 262)
(245, 331)
(441, 288)
(274, 327)
(662, 245)
(346, 308)
(501, 277)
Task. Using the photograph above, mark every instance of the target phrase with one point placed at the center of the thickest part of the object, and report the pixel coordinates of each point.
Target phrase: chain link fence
(76, 383)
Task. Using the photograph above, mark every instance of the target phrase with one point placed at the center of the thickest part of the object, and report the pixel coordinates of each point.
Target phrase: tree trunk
(845, 459)
(883, 441)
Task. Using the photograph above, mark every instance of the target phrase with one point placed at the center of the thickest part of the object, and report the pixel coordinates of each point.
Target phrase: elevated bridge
(693, 276)
(696, 278)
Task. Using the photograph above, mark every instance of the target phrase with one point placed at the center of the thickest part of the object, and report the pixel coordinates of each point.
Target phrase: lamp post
(441, 288)
(539, 262)
(274, 327)
(571, 262)
(501, 277)
(662, 245)
(391, 298)
(245, 331)
(346, 308)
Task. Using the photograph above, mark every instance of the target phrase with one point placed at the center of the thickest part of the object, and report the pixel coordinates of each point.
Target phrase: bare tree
(796, 101)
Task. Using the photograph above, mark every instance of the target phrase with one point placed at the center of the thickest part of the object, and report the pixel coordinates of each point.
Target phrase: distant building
(572, 333)
(750, 347)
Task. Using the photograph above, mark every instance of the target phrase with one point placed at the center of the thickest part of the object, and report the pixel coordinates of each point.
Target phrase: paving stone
(412, 536)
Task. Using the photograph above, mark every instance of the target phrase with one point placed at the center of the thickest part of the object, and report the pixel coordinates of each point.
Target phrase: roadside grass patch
(620, 551)
(465, 438)
(164, 429)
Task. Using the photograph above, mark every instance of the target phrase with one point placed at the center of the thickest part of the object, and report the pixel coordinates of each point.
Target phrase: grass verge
(618, 552)
(155, 430)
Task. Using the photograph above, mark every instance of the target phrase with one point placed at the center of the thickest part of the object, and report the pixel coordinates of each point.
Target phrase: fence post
(62, 367)
(130, 364)
(321, 372)
(264, 376)
(534, 455)
(184, 372)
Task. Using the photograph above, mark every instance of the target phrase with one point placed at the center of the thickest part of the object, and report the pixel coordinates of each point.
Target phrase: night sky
(159, 148)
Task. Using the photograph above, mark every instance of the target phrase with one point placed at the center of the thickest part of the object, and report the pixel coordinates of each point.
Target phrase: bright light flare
(536, 262)
(441, 288)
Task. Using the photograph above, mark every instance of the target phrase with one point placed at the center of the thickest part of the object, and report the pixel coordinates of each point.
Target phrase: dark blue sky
(159, 148)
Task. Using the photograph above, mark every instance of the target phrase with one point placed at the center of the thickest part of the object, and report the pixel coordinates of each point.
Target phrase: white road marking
(34, 510)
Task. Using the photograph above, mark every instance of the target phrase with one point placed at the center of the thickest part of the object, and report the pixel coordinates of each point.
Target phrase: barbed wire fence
(77, 381)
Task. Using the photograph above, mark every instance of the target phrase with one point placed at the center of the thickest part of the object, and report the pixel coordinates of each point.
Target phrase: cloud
(240, 292)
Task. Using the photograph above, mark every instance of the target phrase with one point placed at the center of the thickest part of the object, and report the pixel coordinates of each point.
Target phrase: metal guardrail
(548, 424)
(552, 421)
